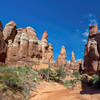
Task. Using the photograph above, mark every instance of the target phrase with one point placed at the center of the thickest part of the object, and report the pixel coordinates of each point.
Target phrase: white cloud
(92, 19)
(87, 21)
(86, 33)
(84, 41)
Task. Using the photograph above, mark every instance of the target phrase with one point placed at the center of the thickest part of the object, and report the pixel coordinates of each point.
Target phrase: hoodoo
(92, 52)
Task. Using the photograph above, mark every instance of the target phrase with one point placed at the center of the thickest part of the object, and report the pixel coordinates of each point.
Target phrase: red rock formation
(27, 48)
(44, 37)
(92, 52)
(61, 60)
(92, 30)
(79, 61)
(72, 61)
(47, 49)
(10, 31)
(22, 47)
(3, 46)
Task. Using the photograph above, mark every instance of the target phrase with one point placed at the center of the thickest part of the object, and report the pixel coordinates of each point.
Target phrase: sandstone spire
(72, 58)
(44, 37)
(63, 51)
(61, 60)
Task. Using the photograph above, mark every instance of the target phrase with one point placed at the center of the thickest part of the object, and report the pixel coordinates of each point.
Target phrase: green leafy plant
(95, 78)
(21, 79)
(77, 75)
(61, 73)
(56, 75)
(66, 83)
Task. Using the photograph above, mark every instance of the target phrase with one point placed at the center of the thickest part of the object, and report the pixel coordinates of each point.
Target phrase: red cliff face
(24, 48)
(3, 46)
(20, 46)
(92, 52)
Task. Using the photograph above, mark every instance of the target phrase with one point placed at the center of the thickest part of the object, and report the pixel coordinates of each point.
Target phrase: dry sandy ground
(54, 91)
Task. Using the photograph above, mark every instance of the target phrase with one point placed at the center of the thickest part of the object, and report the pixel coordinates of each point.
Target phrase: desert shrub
(61, 73)
(44, 73)
(66, 83)
(95, 78)
(56, 75)
(48, 74)
(71, 83)
(21, 79)
(91, 81)
(76, 75)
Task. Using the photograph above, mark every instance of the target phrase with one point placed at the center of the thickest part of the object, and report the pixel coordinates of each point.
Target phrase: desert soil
(55, 91)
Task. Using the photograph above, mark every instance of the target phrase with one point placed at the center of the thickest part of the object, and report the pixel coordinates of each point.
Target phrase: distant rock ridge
(20, 46)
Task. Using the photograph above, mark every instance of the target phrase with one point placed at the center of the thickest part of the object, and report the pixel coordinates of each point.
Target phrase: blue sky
(66, 21)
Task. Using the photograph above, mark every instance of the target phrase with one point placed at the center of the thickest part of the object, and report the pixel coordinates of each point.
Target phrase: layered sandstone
(24, 48)
(20, 46)
(92, 52)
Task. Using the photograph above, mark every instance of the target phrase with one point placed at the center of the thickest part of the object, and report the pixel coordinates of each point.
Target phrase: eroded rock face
(27, 49)
(10, 31)
(3, 46)
(61, 60)
(92, 52)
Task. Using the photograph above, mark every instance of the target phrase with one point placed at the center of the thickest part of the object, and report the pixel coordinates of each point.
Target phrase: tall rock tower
(47, 49)
(92, 52)
(61, 60)
(72, 58)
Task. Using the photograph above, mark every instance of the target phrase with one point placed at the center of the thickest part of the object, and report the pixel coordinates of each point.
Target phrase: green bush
(56, 75)
(95, 78)
(66, 83)
(61, 73)
(76, 75)
(21, 79)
